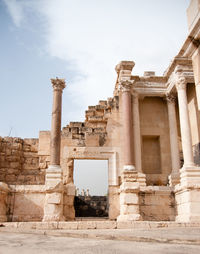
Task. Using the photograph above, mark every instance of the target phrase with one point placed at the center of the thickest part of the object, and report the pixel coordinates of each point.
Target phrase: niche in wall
(151, 159)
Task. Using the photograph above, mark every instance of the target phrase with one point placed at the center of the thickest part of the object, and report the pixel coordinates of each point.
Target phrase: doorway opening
(91, 181)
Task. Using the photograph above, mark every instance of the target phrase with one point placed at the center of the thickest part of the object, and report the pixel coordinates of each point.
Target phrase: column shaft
(136, 133)
(56, 128)
(185, 124)
(127, 128)
(196, 70)
(175, 157)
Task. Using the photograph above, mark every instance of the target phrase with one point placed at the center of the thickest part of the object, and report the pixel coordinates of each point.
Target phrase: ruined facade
(149, 133)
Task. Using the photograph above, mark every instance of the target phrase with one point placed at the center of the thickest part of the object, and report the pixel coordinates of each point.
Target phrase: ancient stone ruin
(149, 132)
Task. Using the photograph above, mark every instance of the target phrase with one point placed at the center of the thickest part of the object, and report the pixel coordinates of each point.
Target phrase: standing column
(53, 205)
(136, 133)
(184, 122)
(174, 178)
(130, 187)
(196, 70)
(127, 125)
(137, 141)
(187, 193)
(58, 86)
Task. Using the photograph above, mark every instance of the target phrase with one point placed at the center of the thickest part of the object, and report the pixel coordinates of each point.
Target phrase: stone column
(136, 133)
(53, 207)
(58, 86)
(184, 122)
(130, 187)
(137, 140)
(188, 191)
(174, 178)
(196, 69)
(127, 125)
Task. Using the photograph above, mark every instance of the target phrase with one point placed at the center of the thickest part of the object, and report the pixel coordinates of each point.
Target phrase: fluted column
(136, 133)
(184, 122)
(127, 125)
(174, 178)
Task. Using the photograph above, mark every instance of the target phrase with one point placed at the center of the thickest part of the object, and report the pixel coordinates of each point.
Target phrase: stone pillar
(137, 141)
(53, 207)
(184, 122)
(187, 193)
(58, 86)
(174, 178)
(127, 125)
(196, 70)
(136, 133)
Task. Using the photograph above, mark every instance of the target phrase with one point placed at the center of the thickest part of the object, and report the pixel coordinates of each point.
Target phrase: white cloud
(93, 36)
(15, 9)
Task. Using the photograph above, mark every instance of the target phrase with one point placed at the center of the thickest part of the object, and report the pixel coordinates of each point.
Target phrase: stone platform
(95, 224)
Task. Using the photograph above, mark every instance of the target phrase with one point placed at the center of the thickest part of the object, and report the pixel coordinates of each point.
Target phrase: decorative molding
(58, 84)
(171, 98)
(125, 86)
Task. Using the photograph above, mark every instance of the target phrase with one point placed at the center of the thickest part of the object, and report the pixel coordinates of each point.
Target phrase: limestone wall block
(69, 212)
(54, 198)
(70, 189)
(129, 209)
(4, 190)
(129, 198)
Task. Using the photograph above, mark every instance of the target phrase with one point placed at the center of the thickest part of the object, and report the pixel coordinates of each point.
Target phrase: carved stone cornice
(58, 84)
(170, 98)
(125, 86)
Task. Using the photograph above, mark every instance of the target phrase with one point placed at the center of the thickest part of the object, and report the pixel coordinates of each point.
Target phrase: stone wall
(19, 161)
(91, 206)
(157, 203)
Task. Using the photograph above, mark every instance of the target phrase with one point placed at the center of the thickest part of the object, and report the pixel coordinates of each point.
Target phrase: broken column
(130, 186)
(53, 207)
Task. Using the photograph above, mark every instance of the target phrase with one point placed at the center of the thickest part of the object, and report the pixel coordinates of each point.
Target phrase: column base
(190, 175)
(53, 206)
(174, 179)
(188, 203)
(129, 195)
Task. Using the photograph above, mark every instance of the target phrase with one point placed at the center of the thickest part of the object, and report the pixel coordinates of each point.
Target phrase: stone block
(70, 189)
(86, 224)
(129, 198)
(129, 209)
(68, 225)
(54, 198)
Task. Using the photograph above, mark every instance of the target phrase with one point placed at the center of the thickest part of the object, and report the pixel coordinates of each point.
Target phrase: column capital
(58, 84)
(181, 82)
(125, 86)
(171, 98)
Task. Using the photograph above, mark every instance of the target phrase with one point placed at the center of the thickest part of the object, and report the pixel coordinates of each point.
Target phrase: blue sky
(80, 41)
